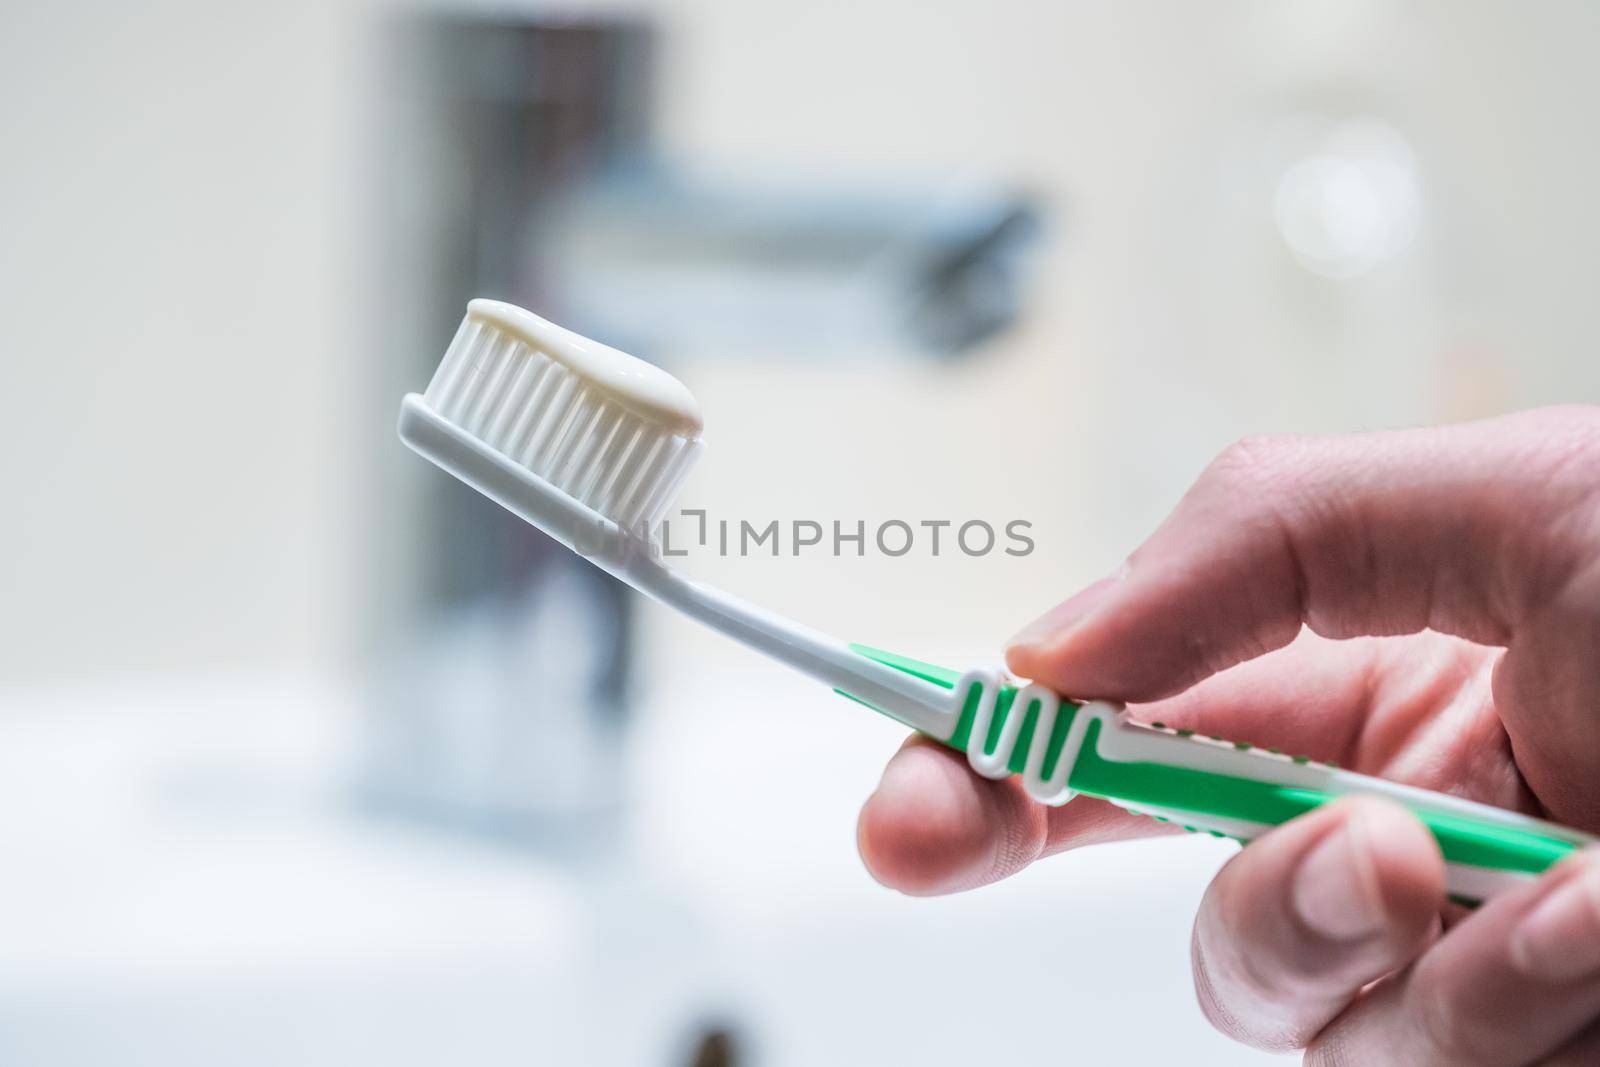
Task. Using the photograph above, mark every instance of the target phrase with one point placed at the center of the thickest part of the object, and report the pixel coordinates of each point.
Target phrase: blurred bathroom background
(308, 755)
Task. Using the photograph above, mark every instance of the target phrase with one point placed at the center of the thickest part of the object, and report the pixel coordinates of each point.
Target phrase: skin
(1422, 605)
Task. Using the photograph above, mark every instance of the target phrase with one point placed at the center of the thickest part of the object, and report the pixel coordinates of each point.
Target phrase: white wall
(176, 193)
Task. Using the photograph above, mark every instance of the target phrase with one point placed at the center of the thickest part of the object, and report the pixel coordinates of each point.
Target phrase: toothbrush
(590, 445)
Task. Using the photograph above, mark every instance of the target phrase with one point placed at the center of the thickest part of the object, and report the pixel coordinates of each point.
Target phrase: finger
(1486, 531)
(1385, 533)
(1507, 986)
(1295, 925)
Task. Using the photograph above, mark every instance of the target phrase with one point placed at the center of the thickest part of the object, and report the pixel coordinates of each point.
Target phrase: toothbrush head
(575, 432)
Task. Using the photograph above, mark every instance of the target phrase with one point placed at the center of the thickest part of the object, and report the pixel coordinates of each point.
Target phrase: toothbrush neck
(917, 703)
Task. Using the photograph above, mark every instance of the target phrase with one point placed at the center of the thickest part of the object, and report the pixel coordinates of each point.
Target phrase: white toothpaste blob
(643, 388)
(609, 430)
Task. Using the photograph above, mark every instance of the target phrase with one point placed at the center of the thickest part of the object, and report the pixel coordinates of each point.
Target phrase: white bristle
(573, 433)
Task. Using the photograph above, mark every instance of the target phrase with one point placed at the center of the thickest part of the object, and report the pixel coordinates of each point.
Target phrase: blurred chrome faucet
(771, 269)
(519, 163)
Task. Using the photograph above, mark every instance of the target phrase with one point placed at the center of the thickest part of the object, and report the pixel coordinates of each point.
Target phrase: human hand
(1269, 607)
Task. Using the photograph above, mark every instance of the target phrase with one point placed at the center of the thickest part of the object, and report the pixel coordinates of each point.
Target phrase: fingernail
(1334, 893)
(1069, 612)
(1559, 940)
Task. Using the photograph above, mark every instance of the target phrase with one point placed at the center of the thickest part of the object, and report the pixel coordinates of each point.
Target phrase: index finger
(1488, 531)
(1463, 529)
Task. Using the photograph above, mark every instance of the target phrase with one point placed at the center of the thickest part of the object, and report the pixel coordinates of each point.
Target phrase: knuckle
(1267, 487)
(1252, 462)
(1557, 495)
(1570, 441)
(1558, 449)
(1267, 482)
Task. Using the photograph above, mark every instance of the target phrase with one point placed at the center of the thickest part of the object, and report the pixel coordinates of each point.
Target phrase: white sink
(185, 881)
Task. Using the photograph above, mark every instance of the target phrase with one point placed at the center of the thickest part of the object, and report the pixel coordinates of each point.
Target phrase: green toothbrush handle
(1206, 784)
